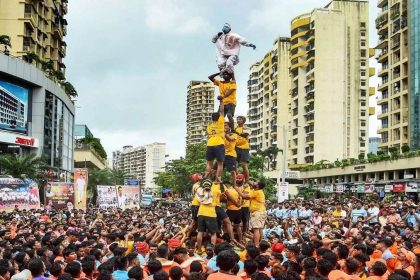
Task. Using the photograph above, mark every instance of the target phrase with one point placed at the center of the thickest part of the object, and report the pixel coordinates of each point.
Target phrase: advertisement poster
(411, 187)
(107, 197)
(128, 197)
(283, 192)
(80, 187)
(14, 107)
(369, 188)
(59, 195)
(18, 193)
(388, 188)
(398, 187)
(339, 188)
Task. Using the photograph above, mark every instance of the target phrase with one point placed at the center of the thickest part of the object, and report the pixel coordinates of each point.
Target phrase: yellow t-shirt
(195, 201)
(235, 195)
(209, 210)
(242, 142)
(216, 132)
(230, 145)
(245, 189)
(257, 201)
(224, 87)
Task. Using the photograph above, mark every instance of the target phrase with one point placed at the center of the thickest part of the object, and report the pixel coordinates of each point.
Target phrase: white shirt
(121, 201)
(373, 212)
(80, 183)
(229, 44)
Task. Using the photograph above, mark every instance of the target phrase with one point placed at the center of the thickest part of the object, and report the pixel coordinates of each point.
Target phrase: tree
(95, 143)
(394, 151)
(118, 176)
(99, 177)
(405, 148)
(5, 40)
(29, 166)
(31, 57)
(68, 88)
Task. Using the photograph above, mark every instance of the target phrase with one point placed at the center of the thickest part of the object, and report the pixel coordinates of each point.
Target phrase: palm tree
(118, 176)
(30, 166)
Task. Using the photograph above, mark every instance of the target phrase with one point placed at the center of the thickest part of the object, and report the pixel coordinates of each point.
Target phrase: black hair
(387, 242)
(215, 116)
(324, 267)
(250, 267)
(262, 262)
(161, 275)
(74, 269)
(379, 268)
(175, 273)
(136, 273)
(196, 266)
(278, 256)
(88, 266)
(67, 276)
(264, 246)
(196, 276)
(131, 257)
(56, 269)
(342, 251)
(154, 266)
(331, 257)
(36, 266)
(253, 252)
(180, 250)
(221, 247)
(361, 247)
(397, 276)
(352, 265)
(162, 251)
(403, 273)
(226, 260)
(120, 263)
(261, 185)
(309, 265)
(307, 250)
(260, 276)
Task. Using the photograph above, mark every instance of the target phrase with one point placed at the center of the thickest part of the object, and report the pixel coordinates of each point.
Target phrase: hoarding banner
(128, 197)
(400, 187)
(131, 182)
(107, 197)
(339, 188)
(283, 192)
(14, 105)
(80, 187)
(18, 193)
(59, 195)
(388, 188)
(360, 188)
(369, 188)
(412, 187)
(329, 188)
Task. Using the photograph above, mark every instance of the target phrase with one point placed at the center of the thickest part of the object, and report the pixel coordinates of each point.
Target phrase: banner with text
(283, 192)
(18, 193)
(59, 195)
(128, 197)
(107, 197)
(80, 187)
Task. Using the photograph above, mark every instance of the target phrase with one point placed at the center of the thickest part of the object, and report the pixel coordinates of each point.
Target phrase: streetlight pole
(283, 171)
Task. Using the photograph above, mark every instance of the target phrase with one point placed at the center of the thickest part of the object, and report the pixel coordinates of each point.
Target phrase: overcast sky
(131, 60)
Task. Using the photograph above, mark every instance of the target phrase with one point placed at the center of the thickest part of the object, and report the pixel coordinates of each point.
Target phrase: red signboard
(399, 187)
(25, 141)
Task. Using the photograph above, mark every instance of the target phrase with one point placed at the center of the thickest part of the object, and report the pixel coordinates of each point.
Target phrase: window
(363, 33)
(363, 133)
(363, 113)
(363, 93)
(362, 144)
(363, 53)
(363, 123)
(363, 83)
(363, 63)
(363, 43)
(363, 73)
(363, 24)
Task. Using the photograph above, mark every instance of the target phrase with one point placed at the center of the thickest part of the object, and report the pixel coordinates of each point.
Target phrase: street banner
(18, 193)
(398, 187)
(283, 192)
(128, 197)
(361, 189)
(329, 188)
(388, 188)
(107, 197)
(412, 187)
(369, 188)
(80, 187)
(339, 188)
(131, 182)
(59, 195)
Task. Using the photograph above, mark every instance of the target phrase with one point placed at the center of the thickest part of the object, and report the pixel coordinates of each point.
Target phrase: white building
(141, 163)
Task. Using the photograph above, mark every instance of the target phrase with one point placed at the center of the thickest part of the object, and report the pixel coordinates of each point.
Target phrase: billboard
(123, 197)
(80, 187)
(283, 192)
(18, 193)
(13, 107)
(59, 195)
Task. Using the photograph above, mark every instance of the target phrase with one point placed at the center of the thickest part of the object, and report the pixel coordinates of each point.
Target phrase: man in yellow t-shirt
(216, 143)
(257, 209)
(233, 211)
(208, 195)
(245, 188)
(227, 93)
(242, 145)
(230, 152)
(195, 178)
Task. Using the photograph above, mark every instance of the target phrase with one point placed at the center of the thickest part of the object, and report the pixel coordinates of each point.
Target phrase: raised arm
(211, 77)
(221, 108)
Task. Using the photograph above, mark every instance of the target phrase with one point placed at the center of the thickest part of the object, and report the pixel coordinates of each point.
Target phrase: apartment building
(141, 163)
(268, 94)
(397, 26)
(36, 26)
(200, 105)
(329, 95)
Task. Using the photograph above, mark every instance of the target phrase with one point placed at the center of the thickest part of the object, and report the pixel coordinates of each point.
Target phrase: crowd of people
(228, 232)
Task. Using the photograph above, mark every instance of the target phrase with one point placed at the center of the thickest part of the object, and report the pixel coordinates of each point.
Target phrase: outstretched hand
(253, 46)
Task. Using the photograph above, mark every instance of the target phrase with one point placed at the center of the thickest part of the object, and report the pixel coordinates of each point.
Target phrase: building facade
(85, 156)
(142, 163)
(36, 116)
(36, 27)
(329, 95)
(373, 144)
(268, 95)
(200, 105)
(82, 131)
(399, 87)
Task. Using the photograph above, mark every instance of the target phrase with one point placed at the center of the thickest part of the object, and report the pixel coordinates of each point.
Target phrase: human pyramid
(227, 147)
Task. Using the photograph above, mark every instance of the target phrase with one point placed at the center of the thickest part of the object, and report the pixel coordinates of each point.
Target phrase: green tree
(307, 192)
(405, 148)
(29, 166)
(118, 176)
(394, 151)
(95, 143)
(5, 40)
(68, 88)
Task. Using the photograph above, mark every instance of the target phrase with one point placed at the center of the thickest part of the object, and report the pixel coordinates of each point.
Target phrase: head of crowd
(326, 238)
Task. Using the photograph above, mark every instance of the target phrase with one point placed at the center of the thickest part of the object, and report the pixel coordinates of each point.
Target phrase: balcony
(295, 111)
(381, 20)
(381, 3)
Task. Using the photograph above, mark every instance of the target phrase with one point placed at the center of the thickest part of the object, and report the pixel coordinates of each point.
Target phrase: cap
(227, 25)
(278, 247)
(142, 247)
(174, 243)
(206, 183)
(195, 177)
(240, 177)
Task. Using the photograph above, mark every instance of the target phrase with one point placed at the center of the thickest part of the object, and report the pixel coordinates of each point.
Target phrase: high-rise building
(373, 144)
(399, 100)
(329, 104)
(200, 105)
(36, 26)
(142, 163)
(268, 94)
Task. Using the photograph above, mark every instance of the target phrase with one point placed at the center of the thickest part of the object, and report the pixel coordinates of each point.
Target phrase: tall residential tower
(329, 104)
(200, 105)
